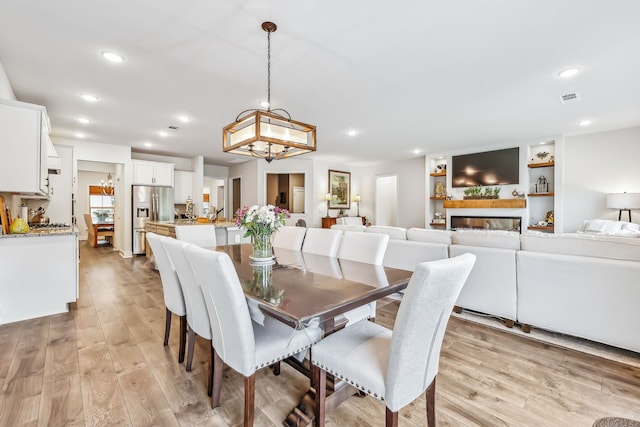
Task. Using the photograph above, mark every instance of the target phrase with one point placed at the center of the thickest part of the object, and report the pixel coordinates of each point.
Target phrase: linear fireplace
(510, 223)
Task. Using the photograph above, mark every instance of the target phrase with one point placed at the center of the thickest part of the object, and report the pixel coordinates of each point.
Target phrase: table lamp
(623, 202)
(356, 199)
(327, 198)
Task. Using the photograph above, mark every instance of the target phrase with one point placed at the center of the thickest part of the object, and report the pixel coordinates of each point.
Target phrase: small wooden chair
(106, 232)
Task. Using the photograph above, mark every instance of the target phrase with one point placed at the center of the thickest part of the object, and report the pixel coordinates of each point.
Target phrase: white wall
(595, 165)
(411, 190)
(119, 155)
(6, 91)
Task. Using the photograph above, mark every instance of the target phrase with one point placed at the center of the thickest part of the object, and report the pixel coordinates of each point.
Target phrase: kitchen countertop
(41, 232)
(219, 224)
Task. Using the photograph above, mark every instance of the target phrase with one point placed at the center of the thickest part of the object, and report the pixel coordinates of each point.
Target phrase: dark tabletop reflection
(298, 287)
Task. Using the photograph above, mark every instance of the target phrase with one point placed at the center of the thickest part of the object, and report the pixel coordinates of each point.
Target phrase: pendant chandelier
(107, 186)
(268, 134)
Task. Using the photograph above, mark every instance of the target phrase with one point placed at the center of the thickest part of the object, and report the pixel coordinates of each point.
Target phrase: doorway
(387, 200)
(236, 196)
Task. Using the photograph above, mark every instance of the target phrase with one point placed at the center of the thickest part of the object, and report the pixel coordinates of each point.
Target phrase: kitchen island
(38, 273)
(227, 232)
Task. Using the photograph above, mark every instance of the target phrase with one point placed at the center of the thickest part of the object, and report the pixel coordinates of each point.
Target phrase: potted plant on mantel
(481, 193)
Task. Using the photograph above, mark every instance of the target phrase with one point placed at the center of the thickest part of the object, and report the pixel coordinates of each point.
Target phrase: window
(101, 206)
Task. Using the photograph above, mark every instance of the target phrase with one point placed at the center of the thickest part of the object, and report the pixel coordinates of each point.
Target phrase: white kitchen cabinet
(152, 173)
(24, 130)
(27, 292)
(183, 188)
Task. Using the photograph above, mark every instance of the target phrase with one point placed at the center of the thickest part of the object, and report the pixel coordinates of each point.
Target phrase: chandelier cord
(268, 70)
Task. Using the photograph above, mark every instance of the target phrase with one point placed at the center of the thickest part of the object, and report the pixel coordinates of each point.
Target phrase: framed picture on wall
(339, 189)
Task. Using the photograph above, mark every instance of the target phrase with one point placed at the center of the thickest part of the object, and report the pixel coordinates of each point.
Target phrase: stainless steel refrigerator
(149, 204)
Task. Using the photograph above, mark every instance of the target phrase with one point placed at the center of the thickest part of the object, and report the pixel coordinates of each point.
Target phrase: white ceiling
(416, 74)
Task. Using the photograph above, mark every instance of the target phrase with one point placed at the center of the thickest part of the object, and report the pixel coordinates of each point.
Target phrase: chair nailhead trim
(340, 376)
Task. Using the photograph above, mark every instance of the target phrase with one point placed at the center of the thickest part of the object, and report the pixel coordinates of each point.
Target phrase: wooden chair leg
(391, 419)
(249, 395)
(218, 366)
(167, 327)
(275, 368)
(320, 383)
(211, 367)
(183, 338)
(431, 404)
(190, 349)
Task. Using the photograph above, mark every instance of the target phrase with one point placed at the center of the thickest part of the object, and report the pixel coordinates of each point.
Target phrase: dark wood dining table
(298, 289)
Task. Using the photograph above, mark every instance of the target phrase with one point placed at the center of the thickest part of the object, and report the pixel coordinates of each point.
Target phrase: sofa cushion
(429, 236)
(487, 238)
(393, 232)
(591, 245)
(610, 227)
(406, 254)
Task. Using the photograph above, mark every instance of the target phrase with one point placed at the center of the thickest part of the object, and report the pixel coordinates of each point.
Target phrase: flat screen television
(488, 168)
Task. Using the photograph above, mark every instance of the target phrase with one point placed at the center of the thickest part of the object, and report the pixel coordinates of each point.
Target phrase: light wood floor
(103, 363)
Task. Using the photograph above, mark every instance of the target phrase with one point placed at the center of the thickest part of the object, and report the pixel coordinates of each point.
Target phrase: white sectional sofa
(583, 285)
(491, 286)
(578, 284)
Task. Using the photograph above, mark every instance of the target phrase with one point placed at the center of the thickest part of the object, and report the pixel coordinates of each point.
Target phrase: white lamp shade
(623, 201)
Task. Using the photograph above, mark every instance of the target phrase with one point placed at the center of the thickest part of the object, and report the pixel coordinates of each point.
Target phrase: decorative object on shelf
(516, 194)
(357, 199)
(542, 185)
(107, 186)
(268, 134)
(438, 218)
(441, 168)
(260, 222)
(439, 190)
(549, 218)
(339, 190)
(623, 202)
(542, 155)
(481, 193)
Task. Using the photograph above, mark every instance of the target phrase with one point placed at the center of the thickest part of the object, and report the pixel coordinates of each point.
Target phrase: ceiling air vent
(173, 127)
(570, 97)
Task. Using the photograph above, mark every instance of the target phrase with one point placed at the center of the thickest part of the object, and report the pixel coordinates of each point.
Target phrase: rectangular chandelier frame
(268, 133)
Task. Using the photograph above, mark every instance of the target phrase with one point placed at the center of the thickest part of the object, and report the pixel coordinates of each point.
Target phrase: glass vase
(262, 246)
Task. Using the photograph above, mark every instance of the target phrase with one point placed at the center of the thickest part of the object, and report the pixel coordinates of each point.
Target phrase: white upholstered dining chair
(363, 247)
(197, 315)
(172, 290)
(396, 366)
(288, 237)
(322, 241)
(200, 235)
(242, 344)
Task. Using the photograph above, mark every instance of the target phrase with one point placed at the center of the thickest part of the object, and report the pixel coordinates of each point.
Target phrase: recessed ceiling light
(148, 144)
(416, 151)
(568, 73)
(352, 132)
(184, 119)
(163, 134)
(112, 56)
(584, 123)
(89, 98)
(264, 104)
(543, 142)
(80, 135)
(84, 120)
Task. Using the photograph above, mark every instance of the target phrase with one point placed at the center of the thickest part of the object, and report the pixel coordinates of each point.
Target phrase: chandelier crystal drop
(268, 134)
